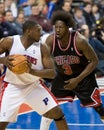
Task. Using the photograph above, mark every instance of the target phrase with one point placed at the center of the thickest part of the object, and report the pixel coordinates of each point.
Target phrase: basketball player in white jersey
(29, 87)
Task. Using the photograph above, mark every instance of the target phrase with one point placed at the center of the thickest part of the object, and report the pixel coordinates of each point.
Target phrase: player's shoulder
(44, 37)
(50, 37)
(8, 39)
(80, 38)
(44, 47)
(47, 38)
(81, 42)
(6, 43)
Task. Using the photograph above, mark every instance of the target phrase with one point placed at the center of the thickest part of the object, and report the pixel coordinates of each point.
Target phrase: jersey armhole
(75, 44)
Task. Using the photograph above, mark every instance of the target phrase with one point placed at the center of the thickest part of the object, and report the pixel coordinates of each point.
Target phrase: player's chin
(37, 40)
(58, 36)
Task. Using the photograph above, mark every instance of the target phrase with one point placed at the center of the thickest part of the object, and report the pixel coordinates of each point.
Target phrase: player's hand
(71, 84)
(8, 61)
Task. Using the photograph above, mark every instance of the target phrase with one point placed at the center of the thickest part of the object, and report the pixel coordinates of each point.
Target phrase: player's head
(63, 16)
(32, 30)
(62, 21)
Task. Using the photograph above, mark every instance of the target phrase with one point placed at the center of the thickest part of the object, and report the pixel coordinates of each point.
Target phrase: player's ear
(28, 31)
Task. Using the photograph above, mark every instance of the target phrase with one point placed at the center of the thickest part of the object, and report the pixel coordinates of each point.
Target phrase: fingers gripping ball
(19, 64)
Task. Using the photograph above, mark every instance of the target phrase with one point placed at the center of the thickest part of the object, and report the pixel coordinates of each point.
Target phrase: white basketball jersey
(34, 55)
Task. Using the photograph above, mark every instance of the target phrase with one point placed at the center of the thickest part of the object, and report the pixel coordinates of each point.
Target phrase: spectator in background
(78, 16)
(43, 7)
(19, 22)
(5, 28)
(90, 1)
(101, 6)
(27, 7)
(96, 11)
(21, 2)
(58, 5)
(2, 7)
(66, 6)
(52, 5)
(11, 21)
(97, 46)
(90, 19)
(98, 31)
(11, 5)
(42, 20)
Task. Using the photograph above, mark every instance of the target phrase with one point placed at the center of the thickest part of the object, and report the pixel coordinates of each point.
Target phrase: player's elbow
(53, 74)
(95, 62)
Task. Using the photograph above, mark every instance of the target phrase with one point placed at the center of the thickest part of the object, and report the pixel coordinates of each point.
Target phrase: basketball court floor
(78, 118)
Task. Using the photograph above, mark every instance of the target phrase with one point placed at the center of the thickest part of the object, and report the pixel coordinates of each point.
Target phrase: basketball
(19, 64)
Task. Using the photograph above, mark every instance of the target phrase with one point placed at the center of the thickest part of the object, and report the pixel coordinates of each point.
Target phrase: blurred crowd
(88, 15)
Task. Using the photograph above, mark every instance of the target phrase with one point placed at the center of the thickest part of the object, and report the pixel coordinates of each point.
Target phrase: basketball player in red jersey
(75, 64)
(29, 87)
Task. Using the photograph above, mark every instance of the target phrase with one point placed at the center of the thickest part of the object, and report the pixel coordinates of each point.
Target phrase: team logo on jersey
(45, 100)
(67, 59)
(33, 60)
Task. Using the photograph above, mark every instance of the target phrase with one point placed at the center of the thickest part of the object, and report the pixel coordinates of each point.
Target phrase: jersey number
(67, 69)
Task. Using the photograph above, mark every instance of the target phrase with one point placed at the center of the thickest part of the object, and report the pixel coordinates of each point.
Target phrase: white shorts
(36, 95)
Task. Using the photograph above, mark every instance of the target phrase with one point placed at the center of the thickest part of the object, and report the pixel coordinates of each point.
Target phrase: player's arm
(5, 46)
(49, 69)
(49, 42)
(84, 47)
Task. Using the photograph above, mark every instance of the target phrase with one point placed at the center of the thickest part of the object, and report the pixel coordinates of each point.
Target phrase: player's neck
(65, 40)
(26, 42)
